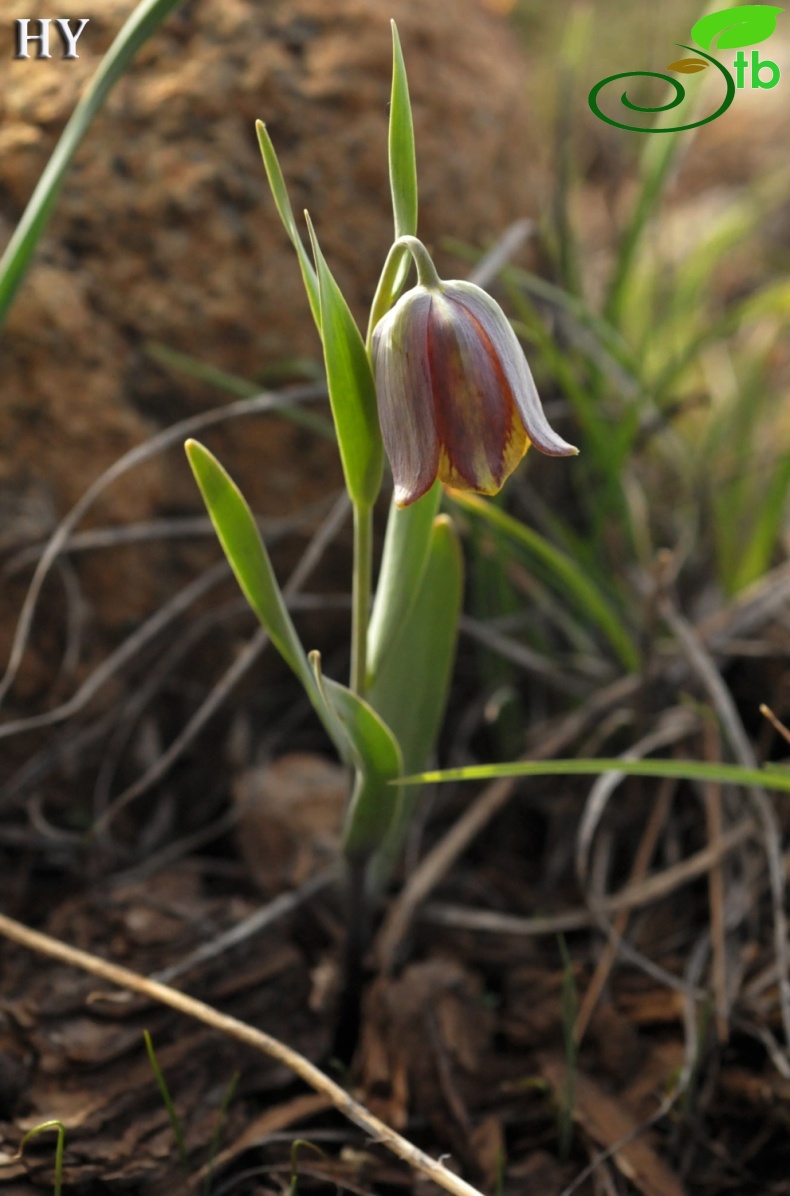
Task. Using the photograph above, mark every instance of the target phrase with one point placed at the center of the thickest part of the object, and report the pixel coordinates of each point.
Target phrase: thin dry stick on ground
(307, 1071)
(135, 456)
(705, 668)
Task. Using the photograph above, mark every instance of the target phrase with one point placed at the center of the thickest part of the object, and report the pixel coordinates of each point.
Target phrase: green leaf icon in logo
(742, 26)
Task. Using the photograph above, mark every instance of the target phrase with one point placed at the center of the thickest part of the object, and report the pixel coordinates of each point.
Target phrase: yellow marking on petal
(484, 481)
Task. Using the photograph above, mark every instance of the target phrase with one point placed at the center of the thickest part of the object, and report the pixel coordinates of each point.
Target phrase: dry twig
(46, 945)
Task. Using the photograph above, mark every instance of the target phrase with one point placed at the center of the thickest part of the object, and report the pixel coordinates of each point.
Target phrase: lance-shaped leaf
(407, 543)
(410, 688)
(402, 159)
(377, 763)
(744, 25)
(352, 391)
(283, 204)
(247, 556)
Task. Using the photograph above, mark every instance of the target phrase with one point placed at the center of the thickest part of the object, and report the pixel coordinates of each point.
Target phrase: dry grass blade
(494, 797)
(142, 452)
(128, 650)
(704, 666)
(632, 896)
(242, 663)
(610, 1125)
(676, 724)
(307, 1071)
(264, 917)
(713, 818)
(644, 854)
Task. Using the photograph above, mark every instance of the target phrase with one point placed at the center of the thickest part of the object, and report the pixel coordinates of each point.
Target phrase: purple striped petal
(514, 364)
(403, 386)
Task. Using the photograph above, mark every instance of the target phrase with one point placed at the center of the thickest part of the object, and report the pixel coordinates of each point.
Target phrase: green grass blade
(658, 158)
(573, 48)
(758, 547)
(242, 388)
(216, 1136)
(777, 778)
(59, 1148)
(144, 21)
(352, 391)
(575, 583)
(283, 204)
(175, 1120)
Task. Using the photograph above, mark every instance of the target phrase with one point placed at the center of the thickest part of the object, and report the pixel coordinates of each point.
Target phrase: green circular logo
(679, 97)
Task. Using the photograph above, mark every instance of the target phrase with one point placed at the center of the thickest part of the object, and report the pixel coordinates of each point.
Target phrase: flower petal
(514, 364)
(481, 435)
(403, 383)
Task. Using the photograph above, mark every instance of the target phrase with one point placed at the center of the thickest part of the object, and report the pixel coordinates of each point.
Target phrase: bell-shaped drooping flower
(455, 394)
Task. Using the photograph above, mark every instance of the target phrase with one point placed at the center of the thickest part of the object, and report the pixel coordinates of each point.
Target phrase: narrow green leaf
(216, 1136)
(377, 761)
(756, 550)
(777, 778)
(243, 388)
(352, 391)
(743, 25)
(410, 689)
(238, 534)
(407, 543)
(167, 1100)
(283, 204)
(241, 541)
(143, 21)
(403, 163)
(59, 1148)
(575, 582)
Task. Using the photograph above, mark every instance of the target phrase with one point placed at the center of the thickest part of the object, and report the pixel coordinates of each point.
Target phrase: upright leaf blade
(283, 204)
(352, 391)
(407, 543)
(410, 688)
(402, 164)
(402, 158)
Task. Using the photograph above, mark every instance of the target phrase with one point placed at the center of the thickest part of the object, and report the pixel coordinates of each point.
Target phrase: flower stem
(387, 289)
(360, 595)
(426, 271)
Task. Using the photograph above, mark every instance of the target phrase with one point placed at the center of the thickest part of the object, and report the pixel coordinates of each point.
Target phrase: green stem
(392, 277)
(360, 595)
